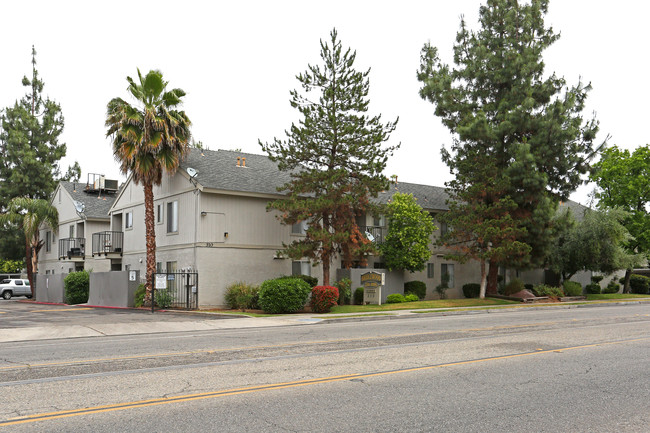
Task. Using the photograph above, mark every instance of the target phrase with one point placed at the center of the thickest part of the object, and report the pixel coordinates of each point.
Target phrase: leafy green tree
(596, 243)
(10, 266)
(498, 102)
(28, 215)
(30, 152)
(148, 139)
(623, 180)
(335, 158)
(406, 245)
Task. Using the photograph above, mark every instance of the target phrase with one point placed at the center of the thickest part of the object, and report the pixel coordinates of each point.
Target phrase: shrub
(639, 284)
(343, 285)
(543, 290)
(323, 298)
(528, 287)
(597, 278)
(471, 290)
(515, 285)
(418, 288)
(283, 295)
(242, 296)
(593, 289)
(139, 296)
(441, 288)
(572, 288)
(312, 281)
(395, 298)
(612, 287)
(164, 298)
(77, 287)
(411, 297)
(358, 295)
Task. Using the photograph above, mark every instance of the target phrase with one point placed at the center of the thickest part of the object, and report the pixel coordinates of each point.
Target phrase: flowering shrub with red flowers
(323, 298)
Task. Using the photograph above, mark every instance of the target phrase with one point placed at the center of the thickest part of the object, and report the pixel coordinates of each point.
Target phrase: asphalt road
(579, 370)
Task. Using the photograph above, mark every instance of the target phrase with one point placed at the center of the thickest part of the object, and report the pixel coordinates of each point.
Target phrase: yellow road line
(283, 385)
(61, 309)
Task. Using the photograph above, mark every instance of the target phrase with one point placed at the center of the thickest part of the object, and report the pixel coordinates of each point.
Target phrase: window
(128, 220)
(158, 267)
(443, 229)
(301, 268)
(379, 221)
(71, 231)
(379, 265)
(430, 268)
(171, 267)
(48, 241)
(159, 214)
(447, 270)
(172, 217)
(19, 282)
(299, 228)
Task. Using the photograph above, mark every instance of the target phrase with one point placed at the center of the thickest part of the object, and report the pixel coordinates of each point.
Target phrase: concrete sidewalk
(176, 321)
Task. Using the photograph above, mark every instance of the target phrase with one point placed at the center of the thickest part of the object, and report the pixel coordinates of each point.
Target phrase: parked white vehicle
(15, 287)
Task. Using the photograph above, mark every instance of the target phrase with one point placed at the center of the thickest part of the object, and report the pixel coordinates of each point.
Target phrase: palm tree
(29, 214)
(148, 139)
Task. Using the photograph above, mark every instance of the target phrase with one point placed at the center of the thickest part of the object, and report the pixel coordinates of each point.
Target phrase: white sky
(237, 62)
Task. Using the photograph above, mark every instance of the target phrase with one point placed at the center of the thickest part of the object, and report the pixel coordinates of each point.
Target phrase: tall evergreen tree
(335, 157)
(498, 103)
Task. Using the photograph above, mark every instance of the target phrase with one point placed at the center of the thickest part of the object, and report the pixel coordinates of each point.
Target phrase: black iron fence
(176, 290)
(108, 243)
(72, 247)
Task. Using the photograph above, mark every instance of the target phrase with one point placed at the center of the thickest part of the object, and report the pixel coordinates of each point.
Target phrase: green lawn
(445, 303)
(606, 296)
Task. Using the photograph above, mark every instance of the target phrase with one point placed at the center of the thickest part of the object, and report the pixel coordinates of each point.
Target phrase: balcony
(108, 244)
(73, 249)
(375, 234)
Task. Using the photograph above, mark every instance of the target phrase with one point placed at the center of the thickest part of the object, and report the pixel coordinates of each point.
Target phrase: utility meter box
(372, 283)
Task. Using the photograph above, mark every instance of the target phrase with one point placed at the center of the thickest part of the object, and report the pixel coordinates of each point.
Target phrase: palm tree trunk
(28, 264)
(150, 236)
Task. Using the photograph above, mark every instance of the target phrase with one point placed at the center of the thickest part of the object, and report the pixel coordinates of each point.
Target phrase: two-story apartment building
(83, 218)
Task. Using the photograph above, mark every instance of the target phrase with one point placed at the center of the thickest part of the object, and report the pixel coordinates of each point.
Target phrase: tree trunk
(493, 273)
(483, 280)
(628, 275)
(150, 236)
(28, 264)
(326, 269)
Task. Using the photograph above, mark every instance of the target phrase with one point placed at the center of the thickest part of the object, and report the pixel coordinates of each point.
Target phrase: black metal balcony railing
(72, 247)
(375, 234)
(108, 243)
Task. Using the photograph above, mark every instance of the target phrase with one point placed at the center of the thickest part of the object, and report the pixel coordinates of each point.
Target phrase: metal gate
(175, 290)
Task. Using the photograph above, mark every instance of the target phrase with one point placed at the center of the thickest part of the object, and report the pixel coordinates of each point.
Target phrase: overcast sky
(238, 60)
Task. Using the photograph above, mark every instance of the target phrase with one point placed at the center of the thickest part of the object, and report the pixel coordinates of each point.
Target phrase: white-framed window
(71, 231)
(447, 269)
(172, 217)
(302, 267)
(299, 228)
(128, 220)
(430, 270)
(159, 214)
(379, 221)
(48, 241)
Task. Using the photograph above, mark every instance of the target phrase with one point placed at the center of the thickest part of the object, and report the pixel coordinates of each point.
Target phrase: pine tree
(498, 103)
(335, 157)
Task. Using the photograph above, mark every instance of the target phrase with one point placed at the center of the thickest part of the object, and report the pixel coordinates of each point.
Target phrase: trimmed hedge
(312, 281)
(411, 297)
(77, 287)
(242, 296)
(639, 284)
(471, 290)
(283, 295)
(323, 298)
(343, 285)
(418, 288)
(612, 287)
(395, 298)
(572, 288)
(593, 289)
(358, 296)
(543, 290)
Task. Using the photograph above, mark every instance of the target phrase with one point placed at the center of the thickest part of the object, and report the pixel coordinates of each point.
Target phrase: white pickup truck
(15, 287)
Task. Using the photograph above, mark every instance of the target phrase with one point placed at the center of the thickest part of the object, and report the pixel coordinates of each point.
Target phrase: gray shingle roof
(94, 207)
(428, 197)
(218, 169)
